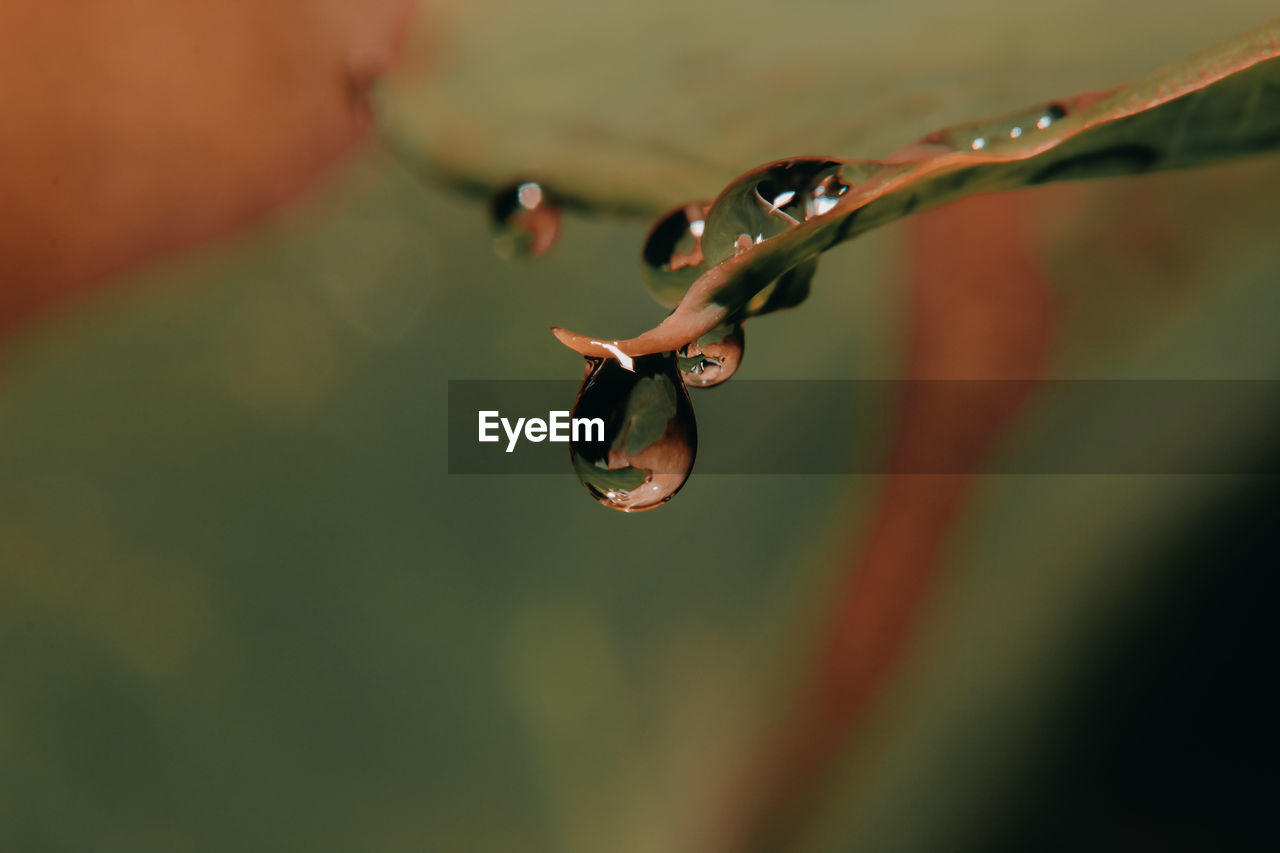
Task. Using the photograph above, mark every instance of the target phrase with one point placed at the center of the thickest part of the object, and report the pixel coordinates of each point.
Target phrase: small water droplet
(1015, 133)
(672, 253)
(978, 144)
(650, 437)
(525, 220)
(673, 243)
(1052, 113)
(712, 358)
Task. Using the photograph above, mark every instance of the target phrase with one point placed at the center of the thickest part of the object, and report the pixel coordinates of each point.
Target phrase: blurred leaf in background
(137, 128)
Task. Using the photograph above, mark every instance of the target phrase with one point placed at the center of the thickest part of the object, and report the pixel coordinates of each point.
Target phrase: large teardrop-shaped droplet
(634, 437)
(525, 219)
(712, 358)
(673, 252)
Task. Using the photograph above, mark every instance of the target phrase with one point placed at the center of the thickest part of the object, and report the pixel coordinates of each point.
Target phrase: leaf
(639, 107)
(1218, 104)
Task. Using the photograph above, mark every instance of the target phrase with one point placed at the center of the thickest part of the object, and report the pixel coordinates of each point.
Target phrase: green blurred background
(244, 606)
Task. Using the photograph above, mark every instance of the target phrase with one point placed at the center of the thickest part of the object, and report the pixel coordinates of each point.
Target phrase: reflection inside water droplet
(770, 201)
(825, 191)
(646, 449)
(525, 220)
(712, 358)
(801, 190)
(673, 252)
(781, 200)
(978, 144)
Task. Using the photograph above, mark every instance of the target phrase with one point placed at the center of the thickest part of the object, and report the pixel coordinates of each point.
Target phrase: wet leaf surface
(1216, 105)
(639, 107)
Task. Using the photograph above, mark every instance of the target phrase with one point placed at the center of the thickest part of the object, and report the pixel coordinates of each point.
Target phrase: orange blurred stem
(980, 309)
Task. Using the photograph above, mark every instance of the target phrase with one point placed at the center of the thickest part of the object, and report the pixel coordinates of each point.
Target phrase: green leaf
(1215, 105)
(640, 107)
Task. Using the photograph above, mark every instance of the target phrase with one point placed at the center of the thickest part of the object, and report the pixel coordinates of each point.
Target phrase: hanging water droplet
(978, 144)
(712, 358)
(673, 252)
(525, 219)
(649, 437)
(1015, 133)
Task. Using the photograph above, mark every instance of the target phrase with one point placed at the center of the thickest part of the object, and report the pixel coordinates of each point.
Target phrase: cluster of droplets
(650, 438)
(525, 218)
(993, 135)
(650, 435)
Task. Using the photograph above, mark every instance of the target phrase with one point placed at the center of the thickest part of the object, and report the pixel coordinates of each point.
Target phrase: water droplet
(712, 358)
(1015, 133)
(1052, 113)
(769, 201)
(650, 437)
(978, 144)
(526, 220)
(801, 190)
(673, 252)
